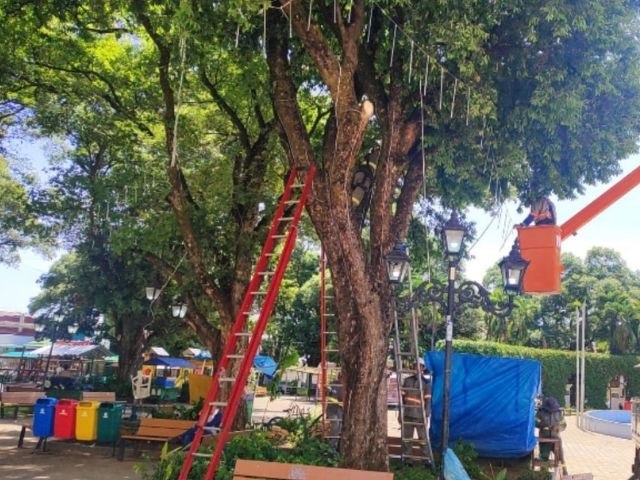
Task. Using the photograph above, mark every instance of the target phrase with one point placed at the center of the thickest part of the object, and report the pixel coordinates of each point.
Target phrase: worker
(550, 422)
(543, 212)
(413, 406)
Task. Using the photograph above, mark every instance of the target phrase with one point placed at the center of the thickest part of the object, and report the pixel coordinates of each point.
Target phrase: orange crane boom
(604, 201)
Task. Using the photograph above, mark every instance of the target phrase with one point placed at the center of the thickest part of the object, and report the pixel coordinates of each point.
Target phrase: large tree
(544, 81)
(520, 97)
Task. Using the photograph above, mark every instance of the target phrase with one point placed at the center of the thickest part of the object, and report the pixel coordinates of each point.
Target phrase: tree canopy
(179, 119)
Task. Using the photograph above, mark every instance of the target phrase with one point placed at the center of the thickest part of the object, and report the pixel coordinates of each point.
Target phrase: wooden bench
(99, 396)
(17, 400)
(155, 430)
(253, 469)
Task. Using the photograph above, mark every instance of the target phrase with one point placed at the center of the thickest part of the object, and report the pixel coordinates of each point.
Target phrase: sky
(615, 228)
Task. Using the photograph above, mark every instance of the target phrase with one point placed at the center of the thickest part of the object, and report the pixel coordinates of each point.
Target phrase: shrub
(559, 365)
(257, 446)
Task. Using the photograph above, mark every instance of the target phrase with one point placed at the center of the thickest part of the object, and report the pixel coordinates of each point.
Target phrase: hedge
(559, 365)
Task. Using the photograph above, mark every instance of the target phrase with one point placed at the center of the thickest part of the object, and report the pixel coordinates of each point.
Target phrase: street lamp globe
(453, 234)
(513, 268)
(179, 310)
(72, 329)
(152, 293)
(397, 263)
(38, 327)
(58, 318)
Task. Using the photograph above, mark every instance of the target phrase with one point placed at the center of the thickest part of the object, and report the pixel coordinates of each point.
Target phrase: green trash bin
(109, 419)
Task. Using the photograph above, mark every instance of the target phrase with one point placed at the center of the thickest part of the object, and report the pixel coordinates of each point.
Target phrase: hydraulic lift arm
(604, 201)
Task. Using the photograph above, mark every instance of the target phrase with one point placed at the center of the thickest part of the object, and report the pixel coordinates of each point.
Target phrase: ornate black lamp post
(452, 300)
(397, 263)
(473, 294)
(179, 310)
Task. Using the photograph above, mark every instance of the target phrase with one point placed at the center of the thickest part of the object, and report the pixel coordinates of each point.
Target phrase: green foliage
(256, 446)
(407, 472)
(468, 457)
(20, 226)
(179, 412)
(534, 475)
(558, 366)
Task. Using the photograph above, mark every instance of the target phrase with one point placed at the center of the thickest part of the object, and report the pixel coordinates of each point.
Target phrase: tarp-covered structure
(264, 364)
(80, 349)
(170, 362)
(492, 403)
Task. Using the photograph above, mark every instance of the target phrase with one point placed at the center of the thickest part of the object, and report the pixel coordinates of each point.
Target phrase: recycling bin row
(70, 419)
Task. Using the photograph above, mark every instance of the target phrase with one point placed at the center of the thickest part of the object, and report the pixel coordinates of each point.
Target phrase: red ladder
(294, 196)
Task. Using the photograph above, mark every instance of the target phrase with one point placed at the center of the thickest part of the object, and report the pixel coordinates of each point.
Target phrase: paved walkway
(606, 457)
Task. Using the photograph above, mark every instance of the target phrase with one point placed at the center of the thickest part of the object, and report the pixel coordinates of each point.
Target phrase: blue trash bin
(43, 415)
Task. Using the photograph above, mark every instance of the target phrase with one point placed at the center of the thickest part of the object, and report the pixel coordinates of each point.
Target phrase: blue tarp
(492, 403)
(453, 468)
(170, 362)
(265, 365)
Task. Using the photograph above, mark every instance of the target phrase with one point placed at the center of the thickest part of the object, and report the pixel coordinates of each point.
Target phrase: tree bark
(361, 289)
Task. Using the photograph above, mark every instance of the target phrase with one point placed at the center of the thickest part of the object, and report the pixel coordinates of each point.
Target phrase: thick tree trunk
(361, 289)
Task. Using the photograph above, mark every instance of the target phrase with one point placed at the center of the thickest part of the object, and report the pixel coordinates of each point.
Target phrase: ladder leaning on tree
(245, 337)
(407, 361)
(329, 360)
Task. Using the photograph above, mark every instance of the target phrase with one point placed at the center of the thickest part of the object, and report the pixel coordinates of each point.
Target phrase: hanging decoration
(417, 51)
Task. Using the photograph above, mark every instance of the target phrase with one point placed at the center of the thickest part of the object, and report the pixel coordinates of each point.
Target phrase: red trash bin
(64, 424)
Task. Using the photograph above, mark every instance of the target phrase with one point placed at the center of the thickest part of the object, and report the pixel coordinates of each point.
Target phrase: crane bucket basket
(540, 245)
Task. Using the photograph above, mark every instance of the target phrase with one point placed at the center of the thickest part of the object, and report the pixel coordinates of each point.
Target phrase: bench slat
(20, 398)
(99, 396)
(160, 432)
(142, 437)
(252, 469)
(167, 423)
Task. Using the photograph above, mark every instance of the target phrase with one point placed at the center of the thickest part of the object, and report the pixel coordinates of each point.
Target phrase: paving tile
(606, 457)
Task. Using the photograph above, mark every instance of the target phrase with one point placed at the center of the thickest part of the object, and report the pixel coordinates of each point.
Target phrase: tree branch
(226, 108)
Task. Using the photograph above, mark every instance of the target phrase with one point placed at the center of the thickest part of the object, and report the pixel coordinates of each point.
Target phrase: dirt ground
(83, 461)
(62, 461)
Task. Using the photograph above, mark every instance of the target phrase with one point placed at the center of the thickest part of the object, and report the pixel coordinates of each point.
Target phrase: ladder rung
(227, 379)
(419, 457)
(415, 441)
(243, 334)
(221, 404)
(330, 333)
(326, 436)
(265, 273)
(258, 292)
(235, 355)
(334, 420)
(330, 350)
(413, 423)
(285, 219)
(297, 185)
(406, 354)
(329, 314)
(270, 254)
(291, 202)
(278, 236)
(201, 455)
(411, 389)
(329, 297)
